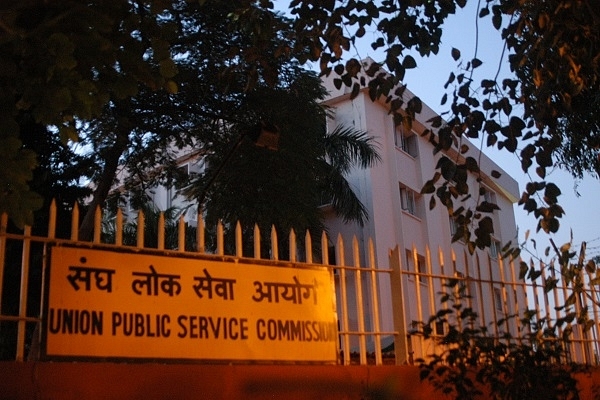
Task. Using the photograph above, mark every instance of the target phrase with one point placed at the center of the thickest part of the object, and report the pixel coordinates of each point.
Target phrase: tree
(62, 61)
(104, 50)
(553, 51)
(285, 188)
(219, 102)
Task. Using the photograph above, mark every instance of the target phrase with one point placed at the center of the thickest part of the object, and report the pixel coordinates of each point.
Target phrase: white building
(400, 216)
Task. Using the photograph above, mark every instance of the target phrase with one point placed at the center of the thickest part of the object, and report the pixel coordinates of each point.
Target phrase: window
(417, 271)
(498, 298)
(406, 141)
(489, 196)
(408, 201)
(453, 225)
(495, 248)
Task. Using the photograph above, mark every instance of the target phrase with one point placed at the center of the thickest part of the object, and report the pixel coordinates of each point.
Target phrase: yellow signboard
(104, 304)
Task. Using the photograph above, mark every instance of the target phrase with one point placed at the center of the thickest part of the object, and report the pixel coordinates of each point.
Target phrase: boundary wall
(90, 381)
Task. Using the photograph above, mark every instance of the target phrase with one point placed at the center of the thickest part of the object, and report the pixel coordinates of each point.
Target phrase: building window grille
(495, 248)
(406, 141)
(419, 271)
(498, 299)
(408, 201)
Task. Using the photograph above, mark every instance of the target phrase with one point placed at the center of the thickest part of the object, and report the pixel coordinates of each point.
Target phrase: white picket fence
(493, 285)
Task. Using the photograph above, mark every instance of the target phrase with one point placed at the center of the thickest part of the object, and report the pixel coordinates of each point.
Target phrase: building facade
(400, 216)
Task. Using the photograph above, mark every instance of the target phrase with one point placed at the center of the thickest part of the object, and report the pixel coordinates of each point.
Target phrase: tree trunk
(104, 184)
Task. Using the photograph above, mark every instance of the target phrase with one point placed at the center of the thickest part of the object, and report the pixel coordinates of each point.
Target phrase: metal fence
(23, 258)
(501, 292)
(411, 285)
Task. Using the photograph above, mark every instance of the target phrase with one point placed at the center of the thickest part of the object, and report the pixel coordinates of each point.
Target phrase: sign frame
(296, 293)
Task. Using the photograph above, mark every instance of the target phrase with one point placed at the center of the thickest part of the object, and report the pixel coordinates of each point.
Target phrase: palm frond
(348, 146)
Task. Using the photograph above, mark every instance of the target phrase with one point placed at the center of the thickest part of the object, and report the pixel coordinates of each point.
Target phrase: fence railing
(498, 291)
(23, 263)
(410, 287)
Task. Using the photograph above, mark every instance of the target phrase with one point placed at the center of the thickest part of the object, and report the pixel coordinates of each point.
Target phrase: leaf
(551, 193)
(550, 284)
(471, 164)
(409, 62)
(429, 187)
(167, 68)
(353, 67)
(355, 90)
(161, 49)
(590, 267)
(171, 87)
(414, 105)
(523, 268)
(497, 17)
(476, 63)
(495, 174)
(455, 54)
(337, 83)
(432, 203)
(533, 274)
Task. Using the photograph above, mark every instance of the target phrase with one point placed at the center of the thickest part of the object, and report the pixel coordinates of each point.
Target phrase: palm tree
(284, 188)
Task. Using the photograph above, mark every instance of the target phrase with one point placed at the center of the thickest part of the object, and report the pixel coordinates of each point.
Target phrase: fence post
(401, 338)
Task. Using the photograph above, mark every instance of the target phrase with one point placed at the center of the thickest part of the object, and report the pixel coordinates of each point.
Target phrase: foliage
(285, 188)
(555, 55)
(544, 113)
(62, 61)
(216, 110)
(470, 362)
(570, 269)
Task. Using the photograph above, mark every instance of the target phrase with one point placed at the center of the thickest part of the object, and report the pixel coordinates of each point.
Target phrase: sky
(579, 198)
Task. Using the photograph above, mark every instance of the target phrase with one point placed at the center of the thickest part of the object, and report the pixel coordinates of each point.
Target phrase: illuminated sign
(104, 304)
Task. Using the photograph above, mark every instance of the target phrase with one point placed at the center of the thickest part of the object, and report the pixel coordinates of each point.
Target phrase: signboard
(104, 304)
